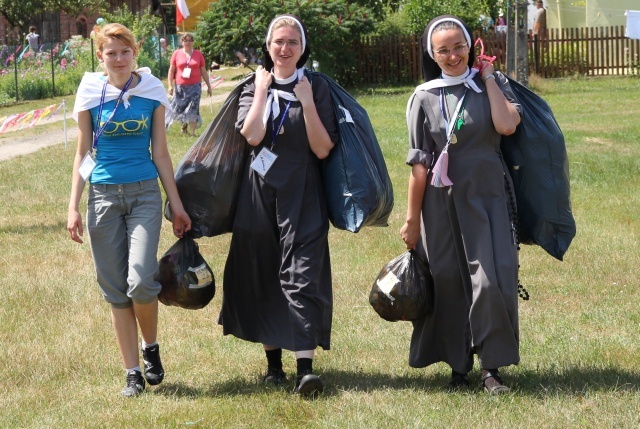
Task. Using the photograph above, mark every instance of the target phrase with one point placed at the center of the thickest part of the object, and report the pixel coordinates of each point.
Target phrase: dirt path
(12, 145)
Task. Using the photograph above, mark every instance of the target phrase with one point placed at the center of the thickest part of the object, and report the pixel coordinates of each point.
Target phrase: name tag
(263, 161)
(86, 166)
(186, 72)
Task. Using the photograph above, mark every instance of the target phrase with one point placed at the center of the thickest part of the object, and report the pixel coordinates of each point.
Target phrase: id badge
(186, 72)
(86, 166)
(263, 161)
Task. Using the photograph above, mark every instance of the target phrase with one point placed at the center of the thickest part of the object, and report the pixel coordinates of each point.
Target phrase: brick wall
(68, 25)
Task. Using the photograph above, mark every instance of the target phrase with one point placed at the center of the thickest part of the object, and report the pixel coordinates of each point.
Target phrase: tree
(17, 12)
(333, 26)
(420, 12)
(144, 27)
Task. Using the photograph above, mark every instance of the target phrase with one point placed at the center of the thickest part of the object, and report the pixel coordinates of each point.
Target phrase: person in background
(33, 39)
(277, 279)
(458, 214)
(540, 21)
(120, 115)
(187, 69)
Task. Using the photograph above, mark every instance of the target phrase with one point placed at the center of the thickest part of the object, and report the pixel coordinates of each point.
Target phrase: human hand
(171, 90)
(209, 91)
(303, 91)
(410, 235)
(263, 78)
(74, 225)
(181, 223)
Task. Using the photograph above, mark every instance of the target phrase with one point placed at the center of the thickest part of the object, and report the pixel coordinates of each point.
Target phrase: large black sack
(356, 182)
(186, 278)
(209, 174)
(537, 159)
(404, 289)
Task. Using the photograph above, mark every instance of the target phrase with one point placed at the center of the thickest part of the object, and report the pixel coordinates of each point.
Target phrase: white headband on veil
(304, 42)
(440, 21)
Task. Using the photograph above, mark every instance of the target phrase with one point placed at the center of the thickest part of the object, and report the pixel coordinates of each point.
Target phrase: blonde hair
(118, 32)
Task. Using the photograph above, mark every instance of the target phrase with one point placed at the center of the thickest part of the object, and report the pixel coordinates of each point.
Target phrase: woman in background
(187, 69)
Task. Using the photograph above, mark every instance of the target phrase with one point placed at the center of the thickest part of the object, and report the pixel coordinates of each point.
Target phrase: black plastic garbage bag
(357, 186)
(537, 159)
(209, 175)
(403, 289)
(186, 278)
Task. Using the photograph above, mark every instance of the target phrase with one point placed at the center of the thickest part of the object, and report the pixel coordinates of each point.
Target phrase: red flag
(182, 11)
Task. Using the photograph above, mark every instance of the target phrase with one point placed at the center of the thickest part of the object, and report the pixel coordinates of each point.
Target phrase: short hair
(32, 28)
(115, 31)
(186, 36)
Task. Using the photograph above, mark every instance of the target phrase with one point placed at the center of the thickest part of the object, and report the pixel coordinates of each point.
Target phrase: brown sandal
(492, 383)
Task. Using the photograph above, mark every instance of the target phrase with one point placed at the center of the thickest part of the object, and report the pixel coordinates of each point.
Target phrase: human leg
(274, 375)
(143, 229)
(492, 382)
(147, 317)
(308, 384)
(126, 330)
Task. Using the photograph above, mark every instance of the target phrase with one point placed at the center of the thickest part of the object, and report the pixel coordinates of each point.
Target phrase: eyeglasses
(188, 40)
(457, 49)
(291, 43)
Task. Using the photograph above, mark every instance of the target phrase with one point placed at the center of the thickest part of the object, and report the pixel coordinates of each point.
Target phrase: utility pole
(517, 44)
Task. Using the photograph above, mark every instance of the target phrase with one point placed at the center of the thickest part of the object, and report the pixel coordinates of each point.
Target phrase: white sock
(145, 345)
(137, 368)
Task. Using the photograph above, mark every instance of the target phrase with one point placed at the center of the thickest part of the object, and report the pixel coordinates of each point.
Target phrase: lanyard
(97, 134)
(454, 118)
(276, 131)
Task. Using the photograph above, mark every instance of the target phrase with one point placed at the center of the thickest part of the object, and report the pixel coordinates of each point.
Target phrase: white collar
(285, 80)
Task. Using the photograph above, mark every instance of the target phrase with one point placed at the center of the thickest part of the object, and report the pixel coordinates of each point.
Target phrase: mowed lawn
(580, 358)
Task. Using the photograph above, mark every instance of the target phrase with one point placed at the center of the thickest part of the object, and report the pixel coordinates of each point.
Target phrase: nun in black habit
(277, 280)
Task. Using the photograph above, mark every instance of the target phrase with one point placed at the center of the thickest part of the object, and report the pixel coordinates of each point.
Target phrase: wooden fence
(597, 51)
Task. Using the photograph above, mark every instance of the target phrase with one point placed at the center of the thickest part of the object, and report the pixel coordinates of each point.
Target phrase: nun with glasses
(460, 208)
(277, 279)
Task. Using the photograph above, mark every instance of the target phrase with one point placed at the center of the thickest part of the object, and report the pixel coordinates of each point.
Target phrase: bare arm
(85, 141)
(205, 75)
(162, 161)
(504, 115)
(319, 139)
(253, 128)
(410, 231)
(171, 77)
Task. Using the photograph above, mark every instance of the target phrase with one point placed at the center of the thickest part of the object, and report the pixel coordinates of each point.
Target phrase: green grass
(579, 332)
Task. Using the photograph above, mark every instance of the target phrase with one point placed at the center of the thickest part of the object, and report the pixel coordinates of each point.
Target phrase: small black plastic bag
(186, 278)
(403, 289)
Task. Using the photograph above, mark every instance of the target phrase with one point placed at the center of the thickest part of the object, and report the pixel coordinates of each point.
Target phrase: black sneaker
(153, 370)
(308, 385)
(135, 384)
(274, 377)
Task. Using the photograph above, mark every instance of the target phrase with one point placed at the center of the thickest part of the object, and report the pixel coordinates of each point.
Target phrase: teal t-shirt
(123, 151)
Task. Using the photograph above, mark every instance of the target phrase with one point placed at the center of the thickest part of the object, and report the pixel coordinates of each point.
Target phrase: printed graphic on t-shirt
(134, 125)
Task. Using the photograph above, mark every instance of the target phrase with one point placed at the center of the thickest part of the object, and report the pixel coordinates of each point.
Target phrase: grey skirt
(185, 105)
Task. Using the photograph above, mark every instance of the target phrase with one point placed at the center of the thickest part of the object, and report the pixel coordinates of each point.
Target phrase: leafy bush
(333, 27)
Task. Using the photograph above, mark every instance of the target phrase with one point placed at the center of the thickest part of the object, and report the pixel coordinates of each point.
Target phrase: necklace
(458, 113)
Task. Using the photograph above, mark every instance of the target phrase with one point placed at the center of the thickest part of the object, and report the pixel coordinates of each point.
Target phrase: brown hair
(186, 36)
